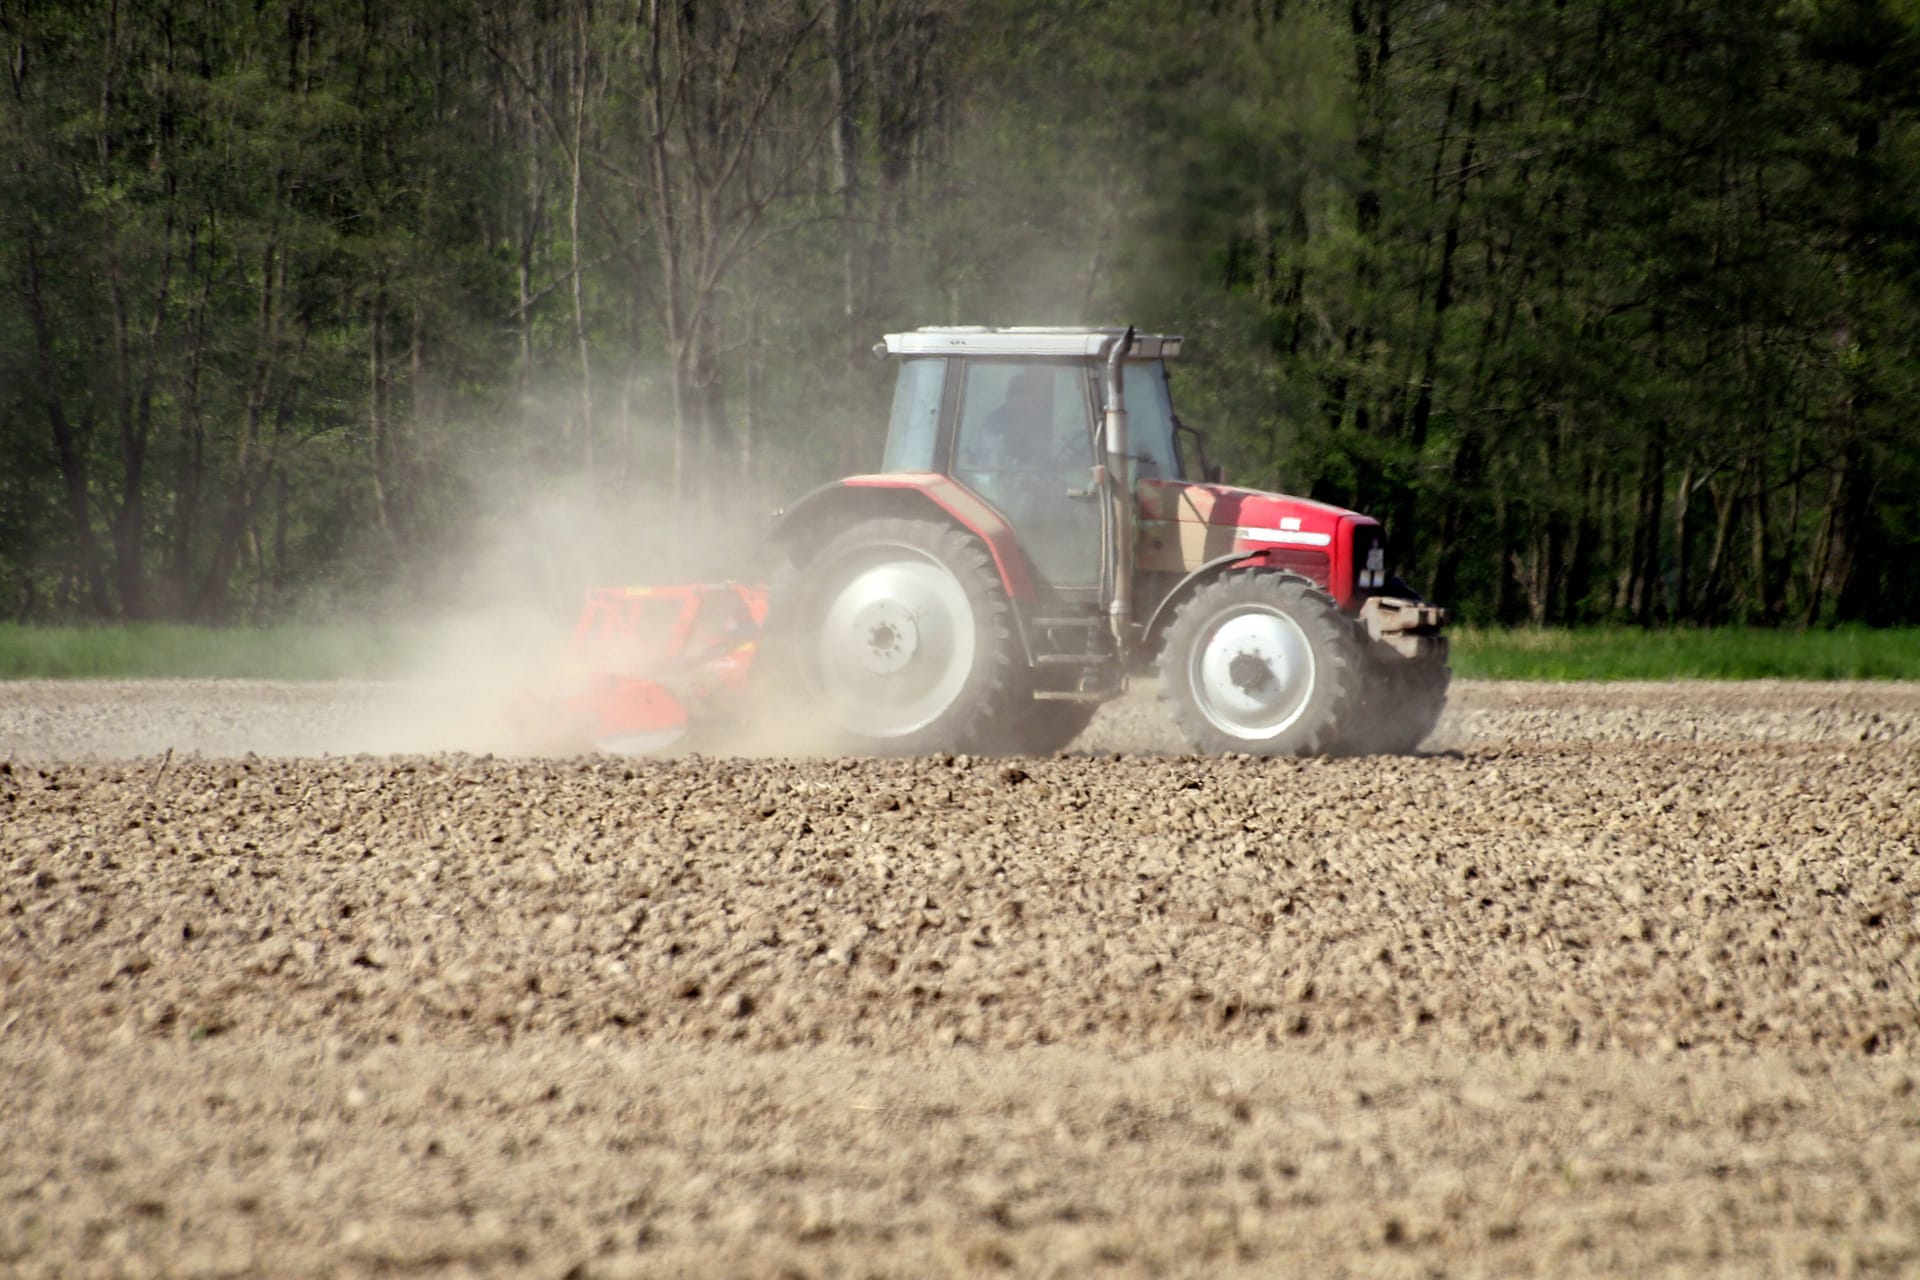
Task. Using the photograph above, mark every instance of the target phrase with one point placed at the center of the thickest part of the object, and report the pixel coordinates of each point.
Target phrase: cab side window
(914, 430)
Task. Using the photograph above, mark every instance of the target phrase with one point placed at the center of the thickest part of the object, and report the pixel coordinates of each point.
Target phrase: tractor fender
(830, 508)
(1171, 602)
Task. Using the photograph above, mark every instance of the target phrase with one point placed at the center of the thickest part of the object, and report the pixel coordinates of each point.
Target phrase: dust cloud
(486, 665)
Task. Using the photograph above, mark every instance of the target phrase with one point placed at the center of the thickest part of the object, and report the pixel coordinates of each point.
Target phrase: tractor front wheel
(899, 634)
(1261, 662)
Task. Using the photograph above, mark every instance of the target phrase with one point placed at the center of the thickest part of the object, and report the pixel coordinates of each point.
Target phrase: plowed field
(1614, 980)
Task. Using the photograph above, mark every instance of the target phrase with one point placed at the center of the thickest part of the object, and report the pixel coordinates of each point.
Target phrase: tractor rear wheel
(900, 636)
(1261, 662)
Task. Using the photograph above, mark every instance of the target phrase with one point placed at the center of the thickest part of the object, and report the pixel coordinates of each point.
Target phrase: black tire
(1044, 726)
(897, 639)
(1400, 704)
(1261, 662)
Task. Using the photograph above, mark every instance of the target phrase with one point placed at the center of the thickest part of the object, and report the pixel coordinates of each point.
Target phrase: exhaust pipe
(1120, 604)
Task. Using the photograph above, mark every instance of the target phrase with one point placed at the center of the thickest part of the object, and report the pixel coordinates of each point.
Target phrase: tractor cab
(1015, 416)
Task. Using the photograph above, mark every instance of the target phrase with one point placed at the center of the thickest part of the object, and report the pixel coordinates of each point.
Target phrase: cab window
(914, 429)
(1149, 420)
(1022, 416)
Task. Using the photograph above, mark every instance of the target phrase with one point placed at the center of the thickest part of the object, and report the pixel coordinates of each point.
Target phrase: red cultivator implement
(643, 661)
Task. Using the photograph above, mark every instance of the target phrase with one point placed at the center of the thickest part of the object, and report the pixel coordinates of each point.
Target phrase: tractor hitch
(1411, 627)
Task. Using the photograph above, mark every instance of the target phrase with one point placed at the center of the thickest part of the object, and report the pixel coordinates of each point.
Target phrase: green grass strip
(162, 651)
(374, 651)
(1724, 653)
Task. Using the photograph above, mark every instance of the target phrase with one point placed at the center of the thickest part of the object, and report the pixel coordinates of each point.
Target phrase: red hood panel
(1222, 504)
(1184, 526)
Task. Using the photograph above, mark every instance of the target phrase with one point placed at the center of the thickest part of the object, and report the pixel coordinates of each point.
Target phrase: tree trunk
(1644, 595)
(1855, 592)
(1761, 530)
(252, 457)
(1683, 544)
(581, 70)
(1712, 594)
(380, 448)
(189, 477)
(846, 165)
(68, 443)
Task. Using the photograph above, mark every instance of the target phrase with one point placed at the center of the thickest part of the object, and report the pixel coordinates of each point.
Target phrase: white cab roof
(1024, 341)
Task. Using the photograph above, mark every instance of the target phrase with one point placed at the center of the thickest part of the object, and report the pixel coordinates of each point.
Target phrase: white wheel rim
(1252, 673)
(894, 641)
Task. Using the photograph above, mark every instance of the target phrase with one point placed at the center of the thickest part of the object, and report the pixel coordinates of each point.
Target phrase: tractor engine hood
(1184, 525)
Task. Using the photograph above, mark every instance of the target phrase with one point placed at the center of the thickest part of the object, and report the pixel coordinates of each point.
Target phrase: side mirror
(1215, 472)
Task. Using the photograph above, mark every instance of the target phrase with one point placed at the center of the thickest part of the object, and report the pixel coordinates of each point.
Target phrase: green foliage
(1686, 653)
(1606, 311)
(166, 651)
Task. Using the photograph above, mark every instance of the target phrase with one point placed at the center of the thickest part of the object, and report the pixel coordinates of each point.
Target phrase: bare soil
(1613, 980)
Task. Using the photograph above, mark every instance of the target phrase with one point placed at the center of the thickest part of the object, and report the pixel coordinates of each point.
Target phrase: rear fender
(915, 495)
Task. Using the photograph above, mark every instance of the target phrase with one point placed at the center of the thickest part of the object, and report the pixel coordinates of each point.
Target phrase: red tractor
(1042, 527)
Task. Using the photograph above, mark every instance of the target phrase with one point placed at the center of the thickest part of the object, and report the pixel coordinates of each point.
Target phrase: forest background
(1607, 309)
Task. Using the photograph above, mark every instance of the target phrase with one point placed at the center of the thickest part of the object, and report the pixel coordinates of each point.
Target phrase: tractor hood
(1186, 525)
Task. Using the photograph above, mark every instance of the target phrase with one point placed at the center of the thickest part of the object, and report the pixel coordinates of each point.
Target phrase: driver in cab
(1021, 429)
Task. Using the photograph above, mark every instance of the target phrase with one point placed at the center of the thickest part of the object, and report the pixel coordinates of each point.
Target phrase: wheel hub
(1250, 673)
(893, 641)
(885, 636)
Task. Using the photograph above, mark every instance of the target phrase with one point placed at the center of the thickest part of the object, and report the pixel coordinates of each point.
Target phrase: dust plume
(489, 662)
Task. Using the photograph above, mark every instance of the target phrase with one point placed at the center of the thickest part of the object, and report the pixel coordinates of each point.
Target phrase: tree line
(1607, 310)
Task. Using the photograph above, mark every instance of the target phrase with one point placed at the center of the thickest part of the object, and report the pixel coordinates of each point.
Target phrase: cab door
(1024, 441)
